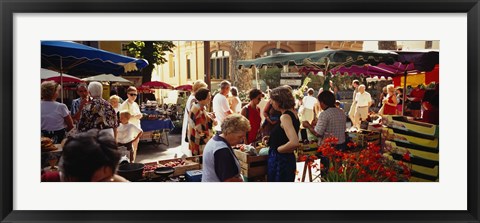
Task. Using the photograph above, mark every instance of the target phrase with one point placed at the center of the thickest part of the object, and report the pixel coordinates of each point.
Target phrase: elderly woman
(98, 113)
(185, 144)
(390, 101)
(55, 117)
(283, 138)
(219, 162)
(200, 126)
(90, 156)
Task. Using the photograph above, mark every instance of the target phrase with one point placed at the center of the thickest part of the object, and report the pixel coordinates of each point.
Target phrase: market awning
(317, 59)
(78, 59)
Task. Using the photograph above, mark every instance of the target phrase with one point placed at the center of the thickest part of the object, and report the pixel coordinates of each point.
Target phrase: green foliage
(271, 76)
(153, 51)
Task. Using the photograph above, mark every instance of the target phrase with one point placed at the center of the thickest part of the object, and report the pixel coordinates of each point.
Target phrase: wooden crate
(180, 170)
(252, 166)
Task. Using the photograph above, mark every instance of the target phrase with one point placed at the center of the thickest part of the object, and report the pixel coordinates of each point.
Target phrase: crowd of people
(121, 123)
(104, 126)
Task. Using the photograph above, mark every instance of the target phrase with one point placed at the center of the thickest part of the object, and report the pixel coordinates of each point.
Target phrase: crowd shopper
(132, 107)
(308, 112)
(353, 107)
(221, 107)
(390, 101)
(399, 94)
(331, 121)
(79, 103)
(191, 99)
(415, 105)
(200, 122)
(55, 117)
(235, 102)
(90, 156)
(252, 112)
(272, 117)
(127, 134)
(219, 161)
(363, 101)
(284, 137)
(98, 113)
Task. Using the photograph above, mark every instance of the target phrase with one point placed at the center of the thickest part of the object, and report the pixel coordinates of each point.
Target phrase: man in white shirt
(363, 101)
(308, 113)
(221, 107)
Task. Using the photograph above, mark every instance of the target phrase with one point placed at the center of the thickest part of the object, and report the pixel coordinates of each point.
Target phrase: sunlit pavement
(151, 152)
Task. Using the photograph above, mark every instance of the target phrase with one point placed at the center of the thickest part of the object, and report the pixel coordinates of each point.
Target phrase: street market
(326, 115)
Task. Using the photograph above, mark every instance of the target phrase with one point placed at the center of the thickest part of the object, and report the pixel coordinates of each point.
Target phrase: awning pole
(61, 80)
(404, 90)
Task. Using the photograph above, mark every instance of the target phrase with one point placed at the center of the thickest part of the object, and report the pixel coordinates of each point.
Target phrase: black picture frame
(9, 7)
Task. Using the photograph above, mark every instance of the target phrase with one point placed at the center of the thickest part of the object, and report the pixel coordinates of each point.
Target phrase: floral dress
(98, 114)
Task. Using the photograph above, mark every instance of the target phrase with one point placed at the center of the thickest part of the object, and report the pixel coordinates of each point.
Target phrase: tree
(239, 50)
(152, 51)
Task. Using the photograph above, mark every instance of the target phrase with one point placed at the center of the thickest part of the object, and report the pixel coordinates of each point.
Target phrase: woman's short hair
(234, 91)
(114, 98)
(284, 97)
(198, 84)
(254, 93)
(235, 123)
(328, 98)
(131, 88)
(95, 89)
(48, 89)
(202, 94)
(86, 152)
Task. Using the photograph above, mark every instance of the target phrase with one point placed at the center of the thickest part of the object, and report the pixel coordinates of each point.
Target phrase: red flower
(406, 156)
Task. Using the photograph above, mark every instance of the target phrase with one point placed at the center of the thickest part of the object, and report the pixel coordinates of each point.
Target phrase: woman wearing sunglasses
(135, 114)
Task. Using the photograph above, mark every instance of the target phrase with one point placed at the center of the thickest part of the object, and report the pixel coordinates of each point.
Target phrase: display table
(156, 130)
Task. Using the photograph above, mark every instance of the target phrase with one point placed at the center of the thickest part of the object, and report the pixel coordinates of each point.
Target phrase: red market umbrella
(157, 85)
(144, 89)
(49, 75)
(185, 87)
(65, 79)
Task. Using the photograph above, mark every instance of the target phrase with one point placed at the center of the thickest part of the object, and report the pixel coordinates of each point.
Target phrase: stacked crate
(418, 139)
(254, 168)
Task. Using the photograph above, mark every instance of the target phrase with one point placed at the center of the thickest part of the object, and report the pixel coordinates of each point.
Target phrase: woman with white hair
(390, 101)
(98, 113)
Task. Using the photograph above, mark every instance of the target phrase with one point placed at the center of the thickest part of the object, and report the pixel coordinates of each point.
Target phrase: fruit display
(173, 163)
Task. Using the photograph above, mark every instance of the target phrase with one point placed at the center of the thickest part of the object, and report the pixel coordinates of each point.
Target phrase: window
(219, 65)
(189, 75)
(124, 49)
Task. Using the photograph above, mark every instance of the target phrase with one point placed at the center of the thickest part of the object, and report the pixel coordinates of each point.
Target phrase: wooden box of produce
(364, 137)
(180, 166)
(252, 166)
(398, 135)
(402, 123)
